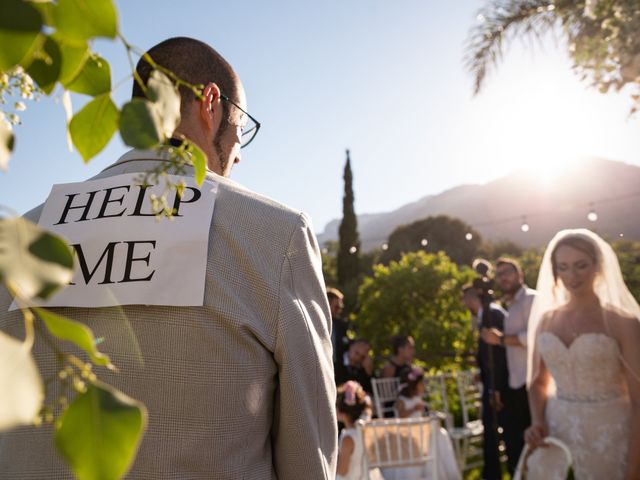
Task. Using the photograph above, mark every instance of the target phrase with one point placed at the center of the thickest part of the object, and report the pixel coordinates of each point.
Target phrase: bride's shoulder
(620, 323)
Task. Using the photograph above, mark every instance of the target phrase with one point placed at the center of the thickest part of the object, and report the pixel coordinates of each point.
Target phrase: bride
(584, 364)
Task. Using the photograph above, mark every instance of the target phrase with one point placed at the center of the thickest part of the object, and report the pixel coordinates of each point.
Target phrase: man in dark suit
(339, 338)
(494, 375)
(355, 365)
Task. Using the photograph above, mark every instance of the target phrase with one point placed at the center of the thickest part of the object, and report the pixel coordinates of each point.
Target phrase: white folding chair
(467, 439)
(385, 394)
(401, 442)
(551, 463)
(437, 398)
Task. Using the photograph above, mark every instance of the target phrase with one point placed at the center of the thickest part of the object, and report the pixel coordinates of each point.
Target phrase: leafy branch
(46, 45)
(601, 37)
(34, 264)
(496, 23)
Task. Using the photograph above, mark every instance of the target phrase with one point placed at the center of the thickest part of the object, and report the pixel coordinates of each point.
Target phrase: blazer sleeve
(304, 431)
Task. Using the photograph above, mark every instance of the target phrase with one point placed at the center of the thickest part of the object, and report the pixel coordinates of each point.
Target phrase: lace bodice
(590, 411)
(588, 370)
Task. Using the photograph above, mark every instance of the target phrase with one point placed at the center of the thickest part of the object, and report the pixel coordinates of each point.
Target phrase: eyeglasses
(250, 129)
(505, 272)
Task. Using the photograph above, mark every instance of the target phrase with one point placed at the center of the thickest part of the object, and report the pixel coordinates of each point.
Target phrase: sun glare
(542, 121)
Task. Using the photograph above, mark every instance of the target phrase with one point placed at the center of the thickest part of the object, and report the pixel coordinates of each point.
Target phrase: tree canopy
(442, 233)
(419, 295)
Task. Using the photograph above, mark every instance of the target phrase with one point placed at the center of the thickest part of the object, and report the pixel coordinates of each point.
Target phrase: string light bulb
(353, 250)
(592, 216)
(525, 226)
(385, 246)
(424, 242)
(469, 236)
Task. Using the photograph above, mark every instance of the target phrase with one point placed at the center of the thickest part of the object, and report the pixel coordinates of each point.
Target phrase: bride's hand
(535, 435)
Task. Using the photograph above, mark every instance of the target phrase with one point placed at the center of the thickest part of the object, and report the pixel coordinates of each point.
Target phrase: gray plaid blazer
(240, 388)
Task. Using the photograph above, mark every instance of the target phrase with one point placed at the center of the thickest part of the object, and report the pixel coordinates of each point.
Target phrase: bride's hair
(580, 242)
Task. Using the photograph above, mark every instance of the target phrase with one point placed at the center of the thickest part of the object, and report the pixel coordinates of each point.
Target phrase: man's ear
(209, 105)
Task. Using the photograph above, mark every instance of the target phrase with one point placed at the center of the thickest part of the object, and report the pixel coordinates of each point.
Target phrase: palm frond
(497, 22)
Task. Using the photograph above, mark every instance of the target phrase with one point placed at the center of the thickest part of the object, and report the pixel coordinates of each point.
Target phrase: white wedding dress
(590, 410)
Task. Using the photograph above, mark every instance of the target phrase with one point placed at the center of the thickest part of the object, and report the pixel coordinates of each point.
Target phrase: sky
(384, 79)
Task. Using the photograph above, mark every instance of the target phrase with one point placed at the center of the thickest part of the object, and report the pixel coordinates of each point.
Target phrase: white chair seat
(400, 442)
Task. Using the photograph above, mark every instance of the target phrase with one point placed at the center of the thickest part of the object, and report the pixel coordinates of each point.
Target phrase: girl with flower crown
(410, 403)
(352, 404)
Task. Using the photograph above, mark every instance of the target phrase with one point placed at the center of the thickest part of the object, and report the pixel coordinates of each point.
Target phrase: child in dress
(410, 404)
(352, 404)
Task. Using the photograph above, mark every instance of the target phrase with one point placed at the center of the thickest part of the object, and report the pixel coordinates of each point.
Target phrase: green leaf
(166, 100)
(93, 79)
(45, 7)
(7, 142)
(74, 56)
(51, 248)
(31, 259)
(20, 384)
(93, 126)
(80, 20)
(145, 123)
(75, 332)
(20, 24)
(139, 124)
(199, 160)
(99, 433)
(46, 66)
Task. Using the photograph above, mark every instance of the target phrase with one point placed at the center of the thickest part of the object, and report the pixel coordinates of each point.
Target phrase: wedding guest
(340, 326)
(404, 349)
(356, 364)
(351, 404)
(494, 375)
(518, 299)
(411, 404)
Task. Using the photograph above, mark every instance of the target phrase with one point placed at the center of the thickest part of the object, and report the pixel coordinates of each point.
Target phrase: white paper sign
(124, 254)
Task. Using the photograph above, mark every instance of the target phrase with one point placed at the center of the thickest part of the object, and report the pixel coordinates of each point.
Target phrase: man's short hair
(360, 340)
(511, 262)
(190, 60)
(334, 293)
(398, 342)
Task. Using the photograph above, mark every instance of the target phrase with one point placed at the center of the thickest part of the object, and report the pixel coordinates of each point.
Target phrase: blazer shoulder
(257, 207)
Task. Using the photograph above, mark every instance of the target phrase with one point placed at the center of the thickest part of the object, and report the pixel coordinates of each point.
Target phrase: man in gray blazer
(242, 386)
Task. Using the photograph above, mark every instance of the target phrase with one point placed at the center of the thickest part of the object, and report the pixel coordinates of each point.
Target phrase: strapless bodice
(587, 370)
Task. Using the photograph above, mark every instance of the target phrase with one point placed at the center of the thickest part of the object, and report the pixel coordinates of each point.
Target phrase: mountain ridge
(498, 208)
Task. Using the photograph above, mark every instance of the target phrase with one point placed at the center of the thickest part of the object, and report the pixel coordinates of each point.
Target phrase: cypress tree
(349, 242)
